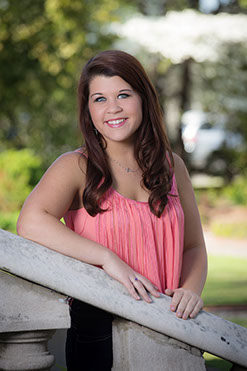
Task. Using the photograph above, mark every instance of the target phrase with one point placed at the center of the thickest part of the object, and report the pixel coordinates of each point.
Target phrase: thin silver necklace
(127, 169)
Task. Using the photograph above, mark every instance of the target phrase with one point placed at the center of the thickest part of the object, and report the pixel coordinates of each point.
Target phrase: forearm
(47, 230)
(194, 269)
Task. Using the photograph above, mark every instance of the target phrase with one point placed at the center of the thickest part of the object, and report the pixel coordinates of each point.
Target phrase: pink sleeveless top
(152, 246)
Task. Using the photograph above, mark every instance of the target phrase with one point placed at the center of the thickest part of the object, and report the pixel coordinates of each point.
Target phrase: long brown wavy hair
(151, 144)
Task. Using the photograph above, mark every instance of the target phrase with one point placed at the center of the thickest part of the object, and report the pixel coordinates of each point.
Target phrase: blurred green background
(195, 52)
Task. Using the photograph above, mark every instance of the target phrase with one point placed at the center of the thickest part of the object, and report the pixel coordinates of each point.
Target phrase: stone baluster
(25, 350)
(29, 316)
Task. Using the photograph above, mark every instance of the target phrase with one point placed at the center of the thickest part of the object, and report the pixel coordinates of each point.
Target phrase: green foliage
(243, 3)
(19, 172)
(8, 220)
(229, 230)
(210, 196)
(223, 209)
(236, 192)
(43, 46)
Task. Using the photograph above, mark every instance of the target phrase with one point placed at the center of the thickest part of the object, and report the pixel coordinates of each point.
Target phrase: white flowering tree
(196, 61)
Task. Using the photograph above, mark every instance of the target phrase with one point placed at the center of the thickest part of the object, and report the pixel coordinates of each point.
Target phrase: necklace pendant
(128, 170)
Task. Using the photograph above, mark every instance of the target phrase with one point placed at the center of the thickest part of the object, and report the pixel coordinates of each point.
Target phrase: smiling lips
(116, 123)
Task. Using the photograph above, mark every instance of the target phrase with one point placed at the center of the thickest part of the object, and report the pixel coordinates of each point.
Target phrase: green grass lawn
(227, 281)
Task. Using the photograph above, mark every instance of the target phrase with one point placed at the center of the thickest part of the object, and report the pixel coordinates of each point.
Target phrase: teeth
(115, 122)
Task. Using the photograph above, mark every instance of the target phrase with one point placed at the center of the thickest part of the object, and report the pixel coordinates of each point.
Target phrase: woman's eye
(100, 99)
(123, 95)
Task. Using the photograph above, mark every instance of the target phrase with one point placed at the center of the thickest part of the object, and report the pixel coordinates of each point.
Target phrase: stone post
(137, 348)
(29, 316)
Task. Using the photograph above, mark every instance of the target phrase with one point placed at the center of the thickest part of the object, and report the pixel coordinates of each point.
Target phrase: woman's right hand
(137, 285)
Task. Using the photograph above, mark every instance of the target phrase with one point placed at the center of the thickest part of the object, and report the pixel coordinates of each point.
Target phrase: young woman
(127, 201)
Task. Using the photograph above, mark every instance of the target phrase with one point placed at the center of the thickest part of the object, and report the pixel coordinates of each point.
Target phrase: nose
(114, 106)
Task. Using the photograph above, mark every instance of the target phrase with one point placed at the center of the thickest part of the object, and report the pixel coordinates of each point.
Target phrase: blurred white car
(205, 139)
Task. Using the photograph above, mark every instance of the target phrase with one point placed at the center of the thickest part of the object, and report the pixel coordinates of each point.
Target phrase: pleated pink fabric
(151, 246)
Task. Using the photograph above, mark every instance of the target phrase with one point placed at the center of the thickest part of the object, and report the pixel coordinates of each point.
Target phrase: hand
(185, 302)
(136, 284)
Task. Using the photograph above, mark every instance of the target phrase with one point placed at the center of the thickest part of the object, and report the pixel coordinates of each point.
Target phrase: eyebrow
(120, 91)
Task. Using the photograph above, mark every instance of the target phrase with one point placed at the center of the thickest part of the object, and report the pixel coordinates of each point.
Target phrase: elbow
(23, 227)
(20, 227)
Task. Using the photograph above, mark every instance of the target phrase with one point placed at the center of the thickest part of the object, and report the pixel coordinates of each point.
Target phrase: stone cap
(25, 306)
(92, 285)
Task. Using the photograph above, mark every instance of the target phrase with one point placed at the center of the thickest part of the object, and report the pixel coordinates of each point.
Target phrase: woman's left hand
(185, 303)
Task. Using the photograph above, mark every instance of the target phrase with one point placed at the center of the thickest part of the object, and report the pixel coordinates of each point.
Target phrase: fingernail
(184, 316)
(172, 308)
(179, 314)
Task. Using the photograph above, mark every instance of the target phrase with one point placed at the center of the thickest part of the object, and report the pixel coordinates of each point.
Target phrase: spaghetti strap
(81, 151)
(168, 159)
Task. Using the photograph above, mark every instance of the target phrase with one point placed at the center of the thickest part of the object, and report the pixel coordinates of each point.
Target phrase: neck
(121, 151)
(121, 158)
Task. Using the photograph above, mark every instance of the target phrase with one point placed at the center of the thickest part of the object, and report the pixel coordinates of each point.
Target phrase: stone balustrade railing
(147, 340)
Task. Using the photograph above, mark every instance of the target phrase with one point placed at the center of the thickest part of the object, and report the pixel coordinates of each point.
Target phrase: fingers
(186, 303)
(137, 284)
(149, 286)
(129, 286)
(139, 287)
(169, 292)
(197, 308)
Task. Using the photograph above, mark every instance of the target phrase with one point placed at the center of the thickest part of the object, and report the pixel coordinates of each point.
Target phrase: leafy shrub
(8, 221)
(230, 230)
(236, 192)
(20, 170)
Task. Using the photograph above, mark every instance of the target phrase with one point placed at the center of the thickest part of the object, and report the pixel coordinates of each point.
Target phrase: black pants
(89, 340)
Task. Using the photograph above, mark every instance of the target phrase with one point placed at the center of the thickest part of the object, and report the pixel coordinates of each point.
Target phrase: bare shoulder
(73, 158)
(178, 162)
(193, 236)
(60, 184)
(181, 172)
(69, 164)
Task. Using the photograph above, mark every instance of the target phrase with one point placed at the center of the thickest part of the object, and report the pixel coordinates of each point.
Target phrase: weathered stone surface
(137, 348)
(26, 306)
(29, 315)
(23, 351)
(92, 285)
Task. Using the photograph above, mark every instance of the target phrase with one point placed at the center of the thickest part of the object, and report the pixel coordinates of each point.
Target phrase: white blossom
(186, 34)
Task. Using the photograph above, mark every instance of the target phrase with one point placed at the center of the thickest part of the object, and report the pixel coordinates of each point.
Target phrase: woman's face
(115, 108)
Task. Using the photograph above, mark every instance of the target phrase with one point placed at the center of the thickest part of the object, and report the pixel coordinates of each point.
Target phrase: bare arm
(40, 216)
(186, 299)
(39, 219)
